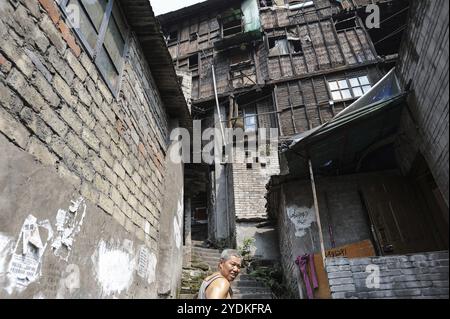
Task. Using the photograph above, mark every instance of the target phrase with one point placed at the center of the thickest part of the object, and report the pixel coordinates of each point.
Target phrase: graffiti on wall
(302, 218)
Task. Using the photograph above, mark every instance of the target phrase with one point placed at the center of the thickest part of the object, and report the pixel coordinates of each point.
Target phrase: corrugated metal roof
(147, 28)
(344, 139)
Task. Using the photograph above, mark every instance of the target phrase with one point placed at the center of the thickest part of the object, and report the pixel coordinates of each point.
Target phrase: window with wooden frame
(193, 37)
(265, 3)
(193, 62)
(282, 45)
(232, 23)
(104, 34)
(172, 37)
(348, 89)
(250, 119)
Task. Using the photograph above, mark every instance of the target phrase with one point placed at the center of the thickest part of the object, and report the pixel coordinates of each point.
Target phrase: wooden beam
(217, 104)
(316, 209)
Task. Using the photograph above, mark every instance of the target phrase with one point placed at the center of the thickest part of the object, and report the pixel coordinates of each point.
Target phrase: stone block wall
(424, 58)
(55, 105)
(419, 276)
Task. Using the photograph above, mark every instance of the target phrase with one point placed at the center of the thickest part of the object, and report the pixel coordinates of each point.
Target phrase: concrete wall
(55, 108)
(423, 276)
(170, 260)
(265, 246)
(105, 260)
(424, 59)
(338, 202)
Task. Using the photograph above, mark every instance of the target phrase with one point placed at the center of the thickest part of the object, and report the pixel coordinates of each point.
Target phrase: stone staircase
(204, 262)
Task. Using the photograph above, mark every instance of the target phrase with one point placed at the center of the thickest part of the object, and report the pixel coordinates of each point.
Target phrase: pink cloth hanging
(303, 262)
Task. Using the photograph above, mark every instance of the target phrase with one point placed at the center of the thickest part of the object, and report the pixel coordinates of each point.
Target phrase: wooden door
(398, 215)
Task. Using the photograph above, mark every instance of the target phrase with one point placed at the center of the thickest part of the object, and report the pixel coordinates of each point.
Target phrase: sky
(164, 6)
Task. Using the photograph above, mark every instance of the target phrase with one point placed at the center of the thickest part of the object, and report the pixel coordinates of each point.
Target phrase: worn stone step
(205, 255)
(186, 296)
(206, 250)
(247, 283)
(251, 290)
(214, 261)
(252, 296)
(205, 259)
(243, 276)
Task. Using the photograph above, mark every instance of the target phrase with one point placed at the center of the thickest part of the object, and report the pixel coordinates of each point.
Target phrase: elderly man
(218, 285)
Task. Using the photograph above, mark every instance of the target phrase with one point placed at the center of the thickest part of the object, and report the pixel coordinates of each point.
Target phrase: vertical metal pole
(316, 209)
(217, 103)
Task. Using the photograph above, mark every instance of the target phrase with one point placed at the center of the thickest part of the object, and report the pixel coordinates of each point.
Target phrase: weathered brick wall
(55, 106)
(422, 276)
(250, 177)
(424, 60)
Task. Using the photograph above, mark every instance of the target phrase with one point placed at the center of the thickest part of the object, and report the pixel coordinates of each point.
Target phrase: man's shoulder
(218, 289)
(221, 282)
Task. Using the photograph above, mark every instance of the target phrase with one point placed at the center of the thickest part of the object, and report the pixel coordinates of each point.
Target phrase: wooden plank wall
(277, 16)
(355, 4)
(225, 83)
(304, 104)
(206, 26)
(323, 48)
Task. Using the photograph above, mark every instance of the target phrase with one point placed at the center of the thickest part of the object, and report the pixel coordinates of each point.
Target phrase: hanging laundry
(304, 263)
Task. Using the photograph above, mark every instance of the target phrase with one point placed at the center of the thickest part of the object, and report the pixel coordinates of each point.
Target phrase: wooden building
(288, 65)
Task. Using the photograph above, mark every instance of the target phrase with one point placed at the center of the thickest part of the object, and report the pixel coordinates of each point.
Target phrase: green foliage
(272, 277)
(245, 251)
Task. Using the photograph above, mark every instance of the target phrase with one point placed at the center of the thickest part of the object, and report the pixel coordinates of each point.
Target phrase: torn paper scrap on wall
(302, 218)
(178, 222)
(69, 282)
(24, 266)
(114, 267)
(6, 249)
(68, 224)
(146, 266)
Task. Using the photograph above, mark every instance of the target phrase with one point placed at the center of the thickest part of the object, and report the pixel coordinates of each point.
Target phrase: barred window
(104, 34)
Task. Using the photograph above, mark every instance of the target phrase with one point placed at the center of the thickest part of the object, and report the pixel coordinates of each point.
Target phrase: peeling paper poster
(24, 268)
(26, 259)
(68, 225)
(6, 248)
(143, 262)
